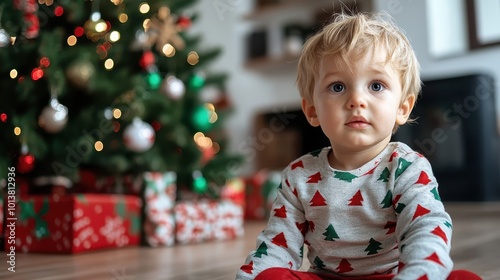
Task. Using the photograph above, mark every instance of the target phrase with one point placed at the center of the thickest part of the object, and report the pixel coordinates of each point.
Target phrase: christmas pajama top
(384, 218)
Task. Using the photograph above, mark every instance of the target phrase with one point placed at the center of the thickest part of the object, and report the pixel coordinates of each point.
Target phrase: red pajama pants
(279, 273)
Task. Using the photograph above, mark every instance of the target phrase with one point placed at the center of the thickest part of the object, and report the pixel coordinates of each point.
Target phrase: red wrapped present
(204, 220)
(234, 190)
(159, 197)
(76, 223)
(260, 192)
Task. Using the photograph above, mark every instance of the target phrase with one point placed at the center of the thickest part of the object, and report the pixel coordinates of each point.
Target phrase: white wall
(411, 16)
(222, 24)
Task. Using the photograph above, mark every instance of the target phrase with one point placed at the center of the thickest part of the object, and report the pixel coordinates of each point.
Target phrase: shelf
(283, 6)
(270, 63)
(271, 21)
(271, 9)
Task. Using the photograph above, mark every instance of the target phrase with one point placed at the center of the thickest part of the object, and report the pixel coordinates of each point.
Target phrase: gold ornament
(162, 30)
(80, 73)
(95, 27)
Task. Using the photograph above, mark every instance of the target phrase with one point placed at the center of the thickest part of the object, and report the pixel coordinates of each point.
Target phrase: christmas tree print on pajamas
(382, 218)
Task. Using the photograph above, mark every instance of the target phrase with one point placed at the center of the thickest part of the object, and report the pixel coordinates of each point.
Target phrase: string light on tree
(193, 58)
(200, 184)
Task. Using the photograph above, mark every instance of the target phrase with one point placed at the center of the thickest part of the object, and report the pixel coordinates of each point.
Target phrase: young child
(366, 208)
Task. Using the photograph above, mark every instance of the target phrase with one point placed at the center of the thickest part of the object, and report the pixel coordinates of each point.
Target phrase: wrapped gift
(76, 223)
(91, 181)
(234, 190)
(159, 200)
(203, 220)
(260, 192)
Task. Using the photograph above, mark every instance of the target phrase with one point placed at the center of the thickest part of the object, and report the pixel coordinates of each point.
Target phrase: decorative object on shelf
(270, 46)
(294, 40)
(138, 136)
(257, 44)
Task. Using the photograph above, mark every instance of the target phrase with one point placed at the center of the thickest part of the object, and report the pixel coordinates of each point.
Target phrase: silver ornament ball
(174, 87)
(139, 136)
(53, 117)
(4, 38)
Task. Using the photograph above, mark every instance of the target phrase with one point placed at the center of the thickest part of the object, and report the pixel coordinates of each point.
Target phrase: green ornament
(200, 184)
(201, 118)
(196, 82)
(154, 80)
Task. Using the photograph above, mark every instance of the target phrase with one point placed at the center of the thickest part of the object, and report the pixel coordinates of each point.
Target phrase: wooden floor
(476, 246)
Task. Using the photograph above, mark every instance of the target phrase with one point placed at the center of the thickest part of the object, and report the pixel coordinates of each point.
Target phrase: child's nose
(356, 100)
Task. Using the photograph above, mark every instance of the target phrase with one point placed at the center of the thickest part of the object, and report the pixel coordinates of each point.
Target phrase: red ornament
(25, 163)
(147, 59)
(33, 26)
(44, 62)
(27, 6)
(184, 22)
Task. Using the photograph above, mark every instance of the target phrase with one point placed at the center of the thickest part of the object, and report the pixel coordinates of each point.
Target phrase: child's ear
(310, 112)
(405, 109)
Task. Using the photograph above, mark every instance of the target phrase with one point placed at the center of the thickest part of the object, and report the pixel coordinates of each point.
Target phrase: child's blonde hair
(352, 36)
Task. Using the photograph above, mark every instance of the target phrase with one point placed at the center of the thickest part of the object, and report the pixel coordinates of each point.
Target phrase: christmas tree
(118, 86)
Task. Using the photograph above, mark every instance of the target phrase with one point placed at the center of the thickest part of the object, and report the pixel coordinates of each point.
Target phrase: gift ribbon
(28, 212)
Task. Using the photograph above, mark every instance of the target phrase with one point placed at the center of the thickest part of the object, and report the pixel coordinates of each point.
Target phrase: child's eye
(377, 86)
(336, 87)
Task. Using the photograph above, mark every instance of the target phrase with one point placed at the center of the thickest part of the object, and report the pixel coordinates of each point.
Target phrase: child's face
(357, 108)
